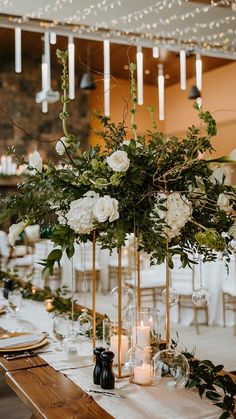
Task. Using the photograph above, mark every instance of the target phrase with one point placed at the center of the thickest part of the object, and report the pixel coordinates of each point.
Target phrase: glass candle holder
(146, 329)
(111, 338)
(141, 365)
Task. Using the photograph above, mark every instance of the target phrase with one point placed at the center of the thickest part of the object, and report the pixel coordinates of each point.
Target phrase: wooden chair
(229, 304)
(183, 281)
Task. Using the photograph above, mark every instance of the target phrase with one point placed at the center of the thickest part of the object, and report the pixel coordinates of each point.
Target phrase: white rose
(80, 217)
(14, 232)
(224, 203)
(61, 146)
(35, 161)
(106, 208)
(232, 231)
(118, 161)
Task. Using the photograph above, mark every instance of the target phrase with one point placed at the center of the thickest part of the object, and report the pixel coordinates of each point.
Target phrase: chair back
(182, 279)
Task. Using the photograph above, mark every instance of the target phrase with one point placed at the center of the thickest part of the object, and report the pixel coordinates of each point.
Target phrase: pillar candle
(143, 374)
(124, 348)
(143, 335)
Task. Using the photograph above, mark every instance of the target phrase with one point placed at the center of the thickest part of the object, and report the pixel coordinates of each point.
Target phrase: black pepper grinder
(98, 366)
(107, 376)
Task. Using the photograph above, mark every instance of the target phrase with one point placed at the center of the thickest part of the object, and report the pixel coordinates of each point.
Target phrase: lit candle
(124, 348)
(33, 290)
(143, 335)
(143, 374)
(48, 304)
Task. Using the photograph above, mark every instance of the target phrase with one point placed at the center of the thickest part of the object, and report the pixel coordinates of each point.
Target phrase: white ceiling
(178, 21)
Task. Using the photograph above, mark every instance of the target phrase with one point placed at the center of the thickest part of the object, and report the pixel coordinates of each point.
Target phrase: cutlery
(10, 357)
(74, 368)
(106, 393)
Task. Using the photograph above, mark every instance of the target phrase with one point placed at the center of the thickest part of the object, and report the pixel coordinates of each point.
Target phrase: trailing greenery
(212, 383)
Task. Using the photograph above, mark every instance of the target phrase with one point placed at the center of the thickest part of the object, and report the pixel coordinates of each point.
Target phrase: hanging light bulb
(182, 56)
(161, 97)
(53, 38)
(140, 74)
(199, 72)
(71, 67)
(155, 52)
(18, 60)
(44, 83)
(106, 53)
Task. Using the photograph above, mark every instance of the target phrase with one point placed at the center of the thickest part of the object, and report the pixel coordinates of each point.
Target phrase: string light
(161, 98)
(140, 75)
(199, 72)
(18, 59)
(106, 53)
(155, 52)
(71, 67)
(182, 56)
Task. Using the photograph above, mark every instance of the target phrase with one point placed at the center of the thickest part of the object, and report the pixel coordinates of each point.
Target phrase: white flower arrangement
(61, 146)
(178, 212)
(36, 161)
(118, 161)
(15, 230)
(106, 208)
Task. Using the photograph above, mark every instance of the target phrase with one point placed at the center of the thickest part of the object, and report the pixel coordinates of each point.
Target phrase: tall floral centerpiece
(160, 188)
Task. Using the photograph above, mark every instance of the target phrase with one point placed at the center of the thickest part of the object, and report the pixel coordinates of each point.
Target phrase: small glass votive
(33, 290)
(111, 338)
(141, 366)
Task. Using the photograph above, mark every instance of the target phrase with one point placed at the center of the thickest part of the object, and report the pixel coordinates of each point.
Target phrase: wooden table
(47, 393)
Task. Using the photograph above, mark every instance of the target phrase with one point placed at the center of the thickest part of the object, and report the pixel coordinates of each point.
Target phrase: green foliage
(219, 388)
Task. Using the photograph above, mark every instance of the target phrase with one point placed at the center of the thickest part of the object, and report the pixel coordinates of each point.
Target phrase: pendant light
(155, 52)
(161, 97)
(71, 67)
(140, 75)
(106, 54)
(18, 58)
(182, 59)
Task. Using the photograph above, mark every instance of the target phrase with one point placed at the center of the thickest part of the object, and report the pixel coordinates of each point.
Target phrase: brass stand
(167, 303)
(119, 313)
(94, 288)
(139, 283)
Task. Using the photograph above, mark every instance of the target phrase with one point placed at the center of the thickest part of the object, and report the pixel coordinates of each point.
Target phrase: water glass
(14, 301)
(60, 329)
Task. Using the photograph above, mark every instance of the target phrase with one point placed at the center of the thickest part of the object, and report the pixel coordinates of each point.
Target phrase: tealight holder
(146, 329)
(141, 366)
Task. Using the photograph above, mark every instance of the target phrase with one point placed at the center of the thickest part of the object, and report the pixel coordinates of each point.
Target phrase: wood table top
(49, 394)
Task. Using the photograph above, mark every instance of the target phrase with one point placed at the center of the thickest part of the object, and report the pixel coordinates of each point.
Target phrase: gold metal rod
(119, 313)
(139, 283)
(167, 303)
(94, 288)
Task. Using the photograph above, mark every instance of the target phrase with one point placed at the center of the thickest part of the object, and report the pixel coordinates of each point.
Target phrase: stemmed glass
(60, 329)
(14, 301)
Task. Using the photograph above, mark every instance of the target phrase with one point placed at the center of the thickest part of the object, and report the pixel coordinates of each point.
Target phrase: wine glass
(14, 301)
(60, 329)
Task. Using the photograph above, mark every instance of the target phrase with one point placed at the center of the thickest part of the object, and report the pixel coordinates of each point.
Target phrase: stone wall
(17, 96)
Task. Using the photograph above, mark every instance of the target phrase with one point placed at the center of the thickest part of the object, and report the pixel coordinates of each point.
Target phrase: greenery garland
(60, 304)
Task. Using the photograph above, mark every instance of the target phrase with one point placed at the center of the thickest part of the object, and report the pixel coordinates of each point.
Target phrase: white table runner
(152, 402)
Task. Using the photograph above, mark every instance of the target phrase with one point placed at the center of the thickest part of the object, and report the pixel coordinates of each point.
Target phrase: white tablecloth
(152, 402)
